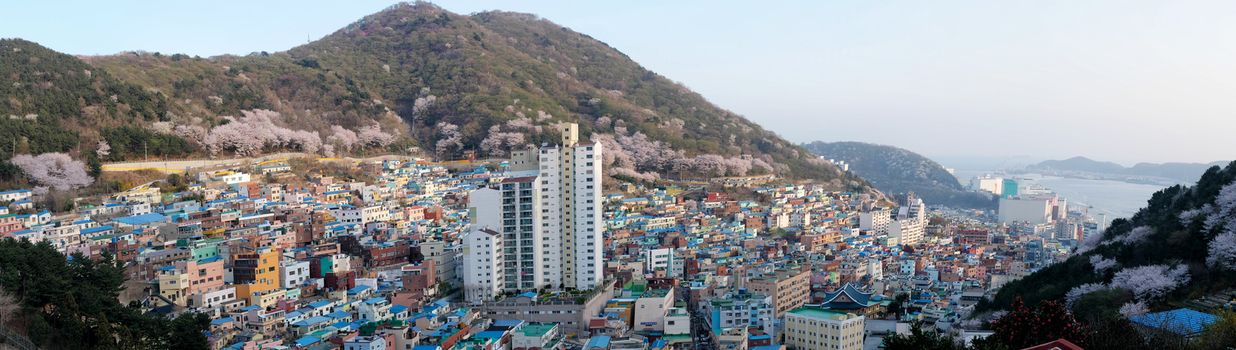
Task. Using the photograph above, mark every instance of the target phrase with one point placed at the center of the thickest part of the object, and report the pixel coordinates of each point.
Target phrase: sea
(1105, 198)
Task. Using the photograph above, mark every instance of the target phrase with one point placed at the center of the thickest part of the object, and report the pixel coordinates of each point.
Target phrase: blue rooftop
(1180, 321)
(141, 219)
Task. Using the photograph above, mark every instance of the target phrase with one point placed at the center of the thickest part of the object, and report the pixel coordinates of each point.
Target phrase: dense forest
(72, 303)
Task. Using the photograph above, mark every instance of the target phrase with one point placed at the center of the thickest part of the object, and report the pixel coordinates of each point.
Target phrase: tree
(1221, 252)
(898, 305)
(56, 170)
(71, 303)
(1024, 326)
(921, 339)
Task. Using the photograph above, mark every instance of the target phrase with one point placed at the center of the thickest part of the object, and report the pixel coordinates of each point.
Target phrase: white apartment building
(513, 209)
(659, 259)
(569, 184)
(911, 222)
(876, 220)
(482, 265)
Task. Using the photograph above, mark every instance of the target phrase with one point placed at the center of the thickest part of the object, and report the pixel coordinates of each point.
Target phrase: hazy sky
(1116, 80)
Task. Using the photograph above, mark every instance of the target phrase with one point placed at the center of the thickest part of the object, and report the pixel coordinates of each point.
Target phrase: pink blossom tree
(373, 136)
(192, 133)
(1075, 294)
(450, 139)
(56, 170)
(1221, 252)
(1101, 264)
(1133, 308)
(1152, 281)
(343, 137)
(103, 149)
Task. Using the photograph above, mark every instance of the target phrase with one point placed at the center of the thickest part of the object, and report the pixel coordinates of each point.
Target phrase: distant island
(1144, 173)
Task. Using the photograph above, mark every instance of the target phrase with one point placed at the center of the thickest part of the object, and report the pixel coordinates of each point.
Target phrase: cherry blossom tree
(373, 136)
(499, 142)
(1223, 213)
(1135, 236)
(1077, 292)
(343, 137)
(1221, 253)
(192, 133)
(1101, 264)
(421, 104)
(55, 170)
(256, 130)
(604, 122)
(1151, 281)
(450, 140)
(1133, 308)
(103, 149)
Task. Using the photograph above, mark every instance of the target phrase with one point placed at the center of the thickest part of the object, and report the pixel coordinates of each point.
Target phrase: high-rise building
(483, 270)
(570, 177)
(548, 211)
(513, 209)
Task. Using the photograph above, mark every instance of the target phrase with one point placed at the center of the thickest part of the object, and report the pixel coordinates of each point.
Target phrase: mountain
(1179, 248)
(1081, 164)
(461, 84)
(899, 171)
(1169, 172)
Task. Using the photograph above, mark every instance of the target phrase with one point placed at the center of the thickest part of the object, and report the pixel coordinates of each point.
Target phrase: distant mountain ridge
(899, 171)
(1179, 172)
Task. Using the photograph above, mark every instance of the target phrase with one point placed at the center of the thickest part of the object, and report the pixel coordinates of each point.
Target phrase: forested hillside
(410, 77)
(899, 171)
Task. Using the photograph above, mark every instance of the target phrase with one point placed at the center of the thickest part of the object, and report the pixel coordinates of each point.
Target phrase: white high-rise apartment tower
(559, 244)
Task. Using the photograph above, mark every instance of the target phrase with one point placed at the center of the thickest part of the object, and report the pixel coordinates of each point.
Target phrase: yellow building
(256, 274)
(817, 328)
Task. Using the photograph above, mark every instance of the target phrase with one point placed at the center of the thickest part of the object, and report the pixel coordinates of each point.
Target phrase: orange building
(256, 273)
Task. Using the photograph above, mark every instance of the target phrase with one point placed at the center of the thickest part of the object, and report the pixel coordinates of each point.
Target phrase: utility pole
(147, 149)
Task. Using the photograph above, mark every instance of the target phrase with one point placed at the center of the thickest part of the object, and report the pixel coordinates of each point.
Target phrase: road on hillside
(181, 165)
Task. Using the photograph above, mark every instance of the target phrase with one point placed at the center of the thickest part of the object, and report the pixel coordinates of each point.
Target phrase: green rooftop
(537, 329)
(817, 312)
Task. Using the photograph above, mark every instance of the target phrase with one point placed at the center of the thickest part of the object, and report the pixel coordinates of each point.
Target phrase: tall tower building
(548, 213)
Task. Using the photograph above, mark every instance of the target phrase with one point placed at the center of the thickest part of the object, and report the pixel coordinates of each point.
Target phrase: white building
(651, 309)
(659, 260)
(740, 309)
(293, 273)
(371, 342)
(360, 215)
(1031, 210)
(513, 209)
(911, 222)
(482, 265)
(876, 220)
(568, 186)
(993, 185)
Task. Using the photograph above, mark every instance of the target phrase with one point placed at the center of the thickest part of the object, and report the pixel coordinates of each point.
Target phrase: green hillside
(451, 84)
(899, 171)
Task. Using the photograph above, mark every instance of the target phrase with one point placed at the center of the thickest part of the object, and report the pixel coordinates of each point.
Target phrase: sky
(1124, 81)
